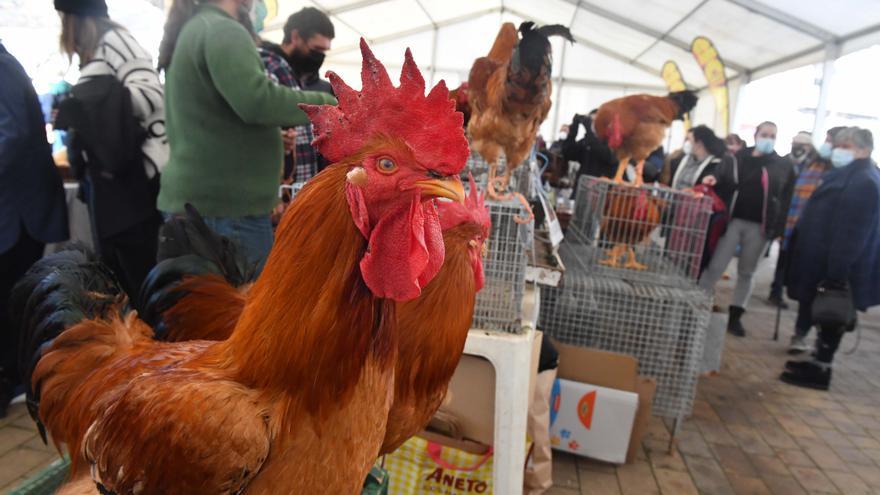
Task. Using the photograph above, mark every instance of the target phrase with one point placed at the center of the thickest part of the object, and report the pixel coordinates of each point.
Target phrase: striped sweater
(120, 55)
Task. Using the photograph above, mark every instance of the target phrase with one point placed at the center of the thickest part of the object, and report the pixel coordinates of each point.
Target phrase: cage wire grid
(499, 304)
(651, 309)
(520, 178)
(662, 327)
(660, 232)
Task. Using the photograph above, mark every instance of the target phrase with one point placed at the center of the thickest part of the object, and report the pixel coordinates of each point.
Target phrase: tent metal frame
(828, 42)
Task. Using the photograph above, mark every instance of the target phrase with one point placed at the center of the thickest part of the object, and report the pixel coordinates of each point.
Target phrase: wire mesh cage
(646, 233)
(661, 326)
(289, 191)
(520, 179)
(499, 303)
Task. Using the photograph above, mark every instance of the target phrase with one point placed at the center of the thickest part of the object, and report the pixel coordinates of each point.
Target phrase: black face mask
(309, 63)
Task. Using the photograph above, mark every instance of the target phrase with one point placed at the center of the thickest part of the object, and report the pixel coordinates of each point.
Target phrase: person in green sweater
(222, 115)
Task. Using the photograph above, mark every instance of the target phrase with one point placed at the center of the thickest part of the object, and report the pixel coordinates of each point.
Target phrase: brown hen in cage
(629, 217)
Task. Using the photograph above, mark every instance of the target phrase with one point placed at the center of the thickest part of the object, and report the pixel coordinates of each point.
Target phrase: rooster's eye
(386, 165)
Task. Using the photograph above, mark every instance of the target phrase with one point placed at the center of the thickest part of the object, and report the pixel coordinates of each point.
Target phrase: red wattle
(405, 251)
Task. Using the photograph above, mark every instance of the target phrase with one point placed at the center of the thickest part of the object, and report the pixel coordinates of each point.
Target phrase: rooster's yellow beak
(449, 188)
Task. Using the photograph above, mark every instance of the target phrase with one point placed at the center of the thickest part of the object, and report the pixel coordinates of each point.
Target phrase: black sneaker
(807, 374)
(734, 325)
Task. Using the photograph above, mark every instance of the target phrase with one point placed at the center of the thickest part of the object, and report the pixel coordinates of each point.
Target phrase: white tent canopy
(620, 46)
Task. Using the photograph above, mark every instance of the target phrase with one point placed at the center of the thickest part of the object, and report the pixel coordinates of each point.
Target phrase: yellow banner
(675, 82)
(713, 68)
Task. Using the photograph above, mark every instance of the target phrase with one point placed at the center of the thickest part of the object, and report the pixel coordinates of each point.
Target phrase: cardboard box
(592, 421)
(610, 370)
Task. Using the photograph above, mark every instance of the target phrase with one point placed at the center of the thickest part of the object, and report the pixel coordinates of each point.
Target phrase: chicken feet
(496, 188)
(619, 250)
(631, 261)
(613, 256)
(621, 169)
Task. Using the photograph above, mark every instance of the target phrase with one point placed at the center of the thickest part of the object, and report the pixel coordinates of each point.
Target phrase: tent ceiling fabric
(622, 43)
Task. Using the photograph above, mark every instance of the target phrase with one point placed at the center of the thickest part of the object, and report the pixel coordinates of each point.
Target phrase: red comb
(473, 210)
(427, 124)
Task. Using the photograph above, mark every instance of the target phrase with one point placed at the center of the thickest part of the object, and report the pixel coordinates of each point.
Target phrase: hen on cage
(634, 126)
(509, 95)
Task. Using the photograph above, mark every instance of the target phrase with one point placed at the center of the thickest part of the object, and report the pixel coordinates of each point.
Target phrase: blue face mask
(825, 150)
(841, 157)
(765, 145)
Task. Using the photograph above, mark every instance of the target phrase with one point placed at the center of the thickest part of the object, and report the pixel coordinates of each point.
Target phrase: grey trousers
(750, 238)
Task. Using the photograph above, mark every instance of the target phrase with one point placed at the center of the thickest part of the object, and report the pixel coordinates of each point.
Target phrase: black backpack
(105, 153)
(99, 113)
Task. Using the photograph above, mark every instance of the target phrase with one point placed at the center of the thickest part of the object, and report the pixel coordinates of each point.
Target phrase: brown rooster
(509, 94)
(635, 125)
(460, 96)
(431, 336)
(297, 399)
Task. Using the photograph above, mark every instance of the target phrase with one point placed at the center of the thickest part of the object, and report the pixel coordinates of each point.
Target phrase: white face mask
(841, 157)
(825, 150)
(765, 146)
(687, 147)
(562, 136)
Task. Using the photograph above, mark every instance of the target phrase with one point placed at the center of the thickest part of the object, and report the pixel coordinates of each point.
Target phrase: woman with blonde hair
(118, 90)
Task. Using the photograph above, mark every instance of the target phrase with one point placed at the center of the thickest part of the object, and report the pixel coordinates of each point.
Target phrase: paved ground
(752, 434)
(749, 434)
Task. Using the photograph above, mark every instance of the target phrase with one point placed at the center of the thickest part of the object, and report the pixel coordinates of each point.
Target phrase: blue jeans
(252, 234)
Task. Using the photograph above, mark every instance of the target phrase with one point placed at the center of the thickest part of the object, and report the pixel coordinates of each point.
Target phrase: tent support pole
(736, 105)
(558, 104)
(832, 52)
(559, 79)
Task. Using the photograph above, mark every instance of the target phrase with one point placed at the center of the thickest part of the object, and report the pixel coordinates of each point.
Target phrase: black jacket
(105, 154)
(31, 193)
(594, 155)
(780, 174)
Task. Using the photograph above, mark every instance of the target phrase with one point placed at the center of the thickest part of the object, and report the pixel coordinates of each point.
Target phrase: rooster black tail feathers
(528, 27)
(556, 30)
(686, 101)
(188, 246)
(56, 293)
(190, 235)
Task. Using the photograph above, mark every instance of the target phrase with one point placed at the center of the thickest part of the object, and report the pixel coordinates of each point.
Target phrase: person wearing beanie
(82, 8)
(122, 206)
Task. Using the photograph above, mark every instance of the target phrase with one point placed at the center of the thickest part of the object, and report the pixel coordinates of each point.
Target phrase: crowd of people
(819, 204)
(225, 129)
(222, 133)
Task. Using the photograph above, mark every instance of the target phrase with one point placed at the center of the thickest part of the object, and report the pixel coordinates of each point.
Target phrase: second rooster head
(403, 149)
(473, 220)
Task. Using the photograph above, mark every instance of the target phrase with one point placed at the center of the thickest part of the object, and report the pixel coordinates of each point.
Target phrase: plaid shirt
(807, 182)
(303, 165)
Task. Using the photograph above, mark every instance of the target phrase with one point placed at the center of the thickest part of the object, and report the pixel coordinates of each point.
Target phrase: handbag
(833, 306)
(431, 463)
